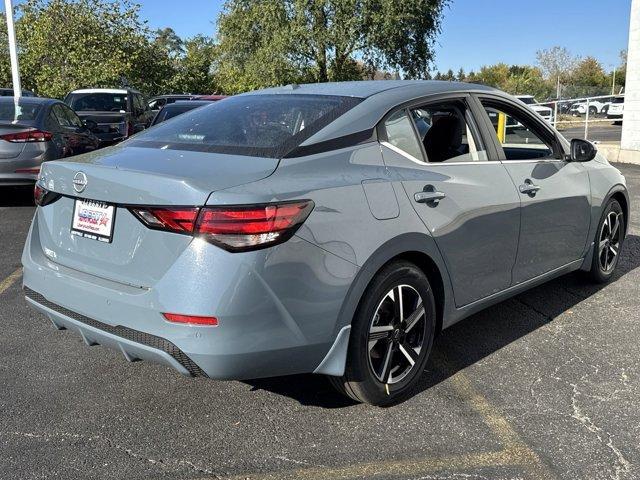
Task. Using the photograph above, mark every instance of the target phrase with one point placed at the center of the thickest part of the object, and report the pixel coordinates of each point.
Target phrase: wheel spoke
(602, 246)
(616, 226)
(378, 333)
(386, 366)
(614, 250)
(606, 225)
(397, 304)
(414, 317)
(408, 351)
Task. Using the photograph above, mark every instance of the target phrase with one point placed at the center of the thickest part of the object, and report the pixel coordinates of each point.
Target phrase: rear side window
(401, 135)
(253, 125)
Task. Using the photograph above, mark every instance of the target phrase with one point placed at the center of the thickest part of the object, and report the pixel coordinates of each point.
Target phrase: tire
(385, 369)
(609, 238)
(593, 110)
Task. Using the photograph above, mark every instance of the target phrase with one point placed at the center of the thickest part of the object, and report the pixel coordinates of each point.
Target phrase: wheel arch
(417, 248)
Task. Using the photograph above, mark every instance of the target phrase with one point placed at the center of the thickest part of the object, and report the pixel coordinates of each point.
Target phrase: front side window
(263, 125)
(520, 136)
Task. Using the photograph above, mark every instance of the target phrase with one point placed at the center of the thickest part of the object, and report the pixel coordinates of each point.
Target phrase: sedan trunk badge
(79, 182)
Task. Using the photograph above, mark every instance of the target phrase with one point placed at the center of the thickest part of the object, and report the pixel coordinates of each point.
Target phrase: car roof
(368, 88)
(31, 100)
(182, 103)
(102, 90)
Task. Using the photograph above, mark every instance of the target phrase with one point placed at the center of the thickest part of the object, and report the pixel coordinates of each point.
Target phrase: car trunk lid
(127, 176)
(8, 149)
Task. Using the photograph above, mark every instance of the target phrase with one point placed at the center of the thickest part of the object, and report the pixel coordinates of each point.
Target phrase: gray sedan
(326, 228)
(34, 130)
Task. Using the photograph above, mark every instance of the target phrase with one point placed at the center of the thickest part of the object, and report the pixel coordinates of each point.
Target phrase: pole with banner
(13, 52)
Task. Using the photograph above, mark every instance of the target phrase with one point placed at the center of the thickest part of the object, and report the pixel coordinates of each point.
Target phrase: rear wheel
(391, 336)
(593, 110)
(608, 243)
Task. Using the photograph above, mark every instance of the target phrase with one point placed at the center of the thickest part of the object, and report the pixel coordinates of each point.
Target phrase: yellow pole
(502, 127)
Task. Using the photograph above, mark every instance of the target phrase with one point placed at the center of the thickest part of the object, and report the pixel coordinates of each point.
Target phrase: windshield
(97, 102)
(253, 125)
(24, 112)
(528, 100)
(618, 100)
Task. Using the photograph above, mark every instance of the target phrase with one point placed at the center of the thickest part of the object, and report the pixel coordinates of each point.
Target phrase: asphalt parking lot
(600, 132)
(543, 386)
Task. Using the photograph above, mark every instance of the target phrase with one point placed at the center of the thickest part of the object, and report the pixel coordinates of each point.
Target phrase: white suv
(616, 108)
(544, 112)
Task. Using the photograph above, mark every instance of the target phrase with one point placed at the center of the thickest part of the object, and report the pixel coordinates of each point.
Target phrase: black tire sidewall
(359, 378)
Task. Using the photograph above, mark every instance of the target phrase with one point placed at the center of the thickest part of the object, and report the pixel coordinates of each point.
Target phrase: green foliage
(69, 44)
(514, 79)
(273, 42)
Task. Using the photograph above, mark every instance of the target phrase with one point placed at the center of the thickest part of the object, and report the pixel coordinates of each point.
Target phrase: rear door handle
(529, 187)
(429, 195)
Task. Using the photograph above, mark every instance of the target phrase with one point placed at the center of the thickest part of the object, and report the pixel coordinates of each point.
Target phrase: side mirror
(90, 125)
(582, 150)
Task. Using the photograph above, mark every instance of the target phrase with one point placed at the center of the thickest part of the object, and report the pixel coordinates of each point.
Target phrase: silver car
(34, 130)
(326, 228)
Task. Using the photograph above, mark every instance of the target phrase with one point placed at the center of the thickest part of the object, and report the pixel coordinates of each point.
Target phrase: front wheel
(391, 336)
(608, 243)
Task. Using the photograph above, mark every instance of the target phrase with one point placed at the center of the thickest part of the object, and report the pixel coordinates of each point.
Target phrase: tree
(169, 41)
(194, 71)
(271, 42)
(65, 45)
(556, 63)
(514, 79)
(589, 73)
(461, 76)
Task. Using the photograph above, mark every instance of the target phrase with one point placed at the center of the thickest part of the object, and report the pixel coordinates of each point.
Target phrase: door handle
(429, 195)
(529, 187)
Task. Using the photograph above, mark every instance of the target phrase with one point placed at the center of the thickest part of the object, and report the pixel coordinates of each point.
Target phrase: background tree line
(69, 44)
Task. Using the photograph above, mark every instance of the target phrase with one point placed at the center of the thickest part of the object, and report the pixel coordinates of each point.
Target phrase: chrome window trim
(420, 162)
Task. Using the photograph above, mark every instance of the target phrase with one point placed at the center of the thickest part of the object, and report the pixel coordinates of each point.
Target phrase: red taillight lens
(177, 220)
(234, 228)
(33, 171)
(27, 136)
(239, 228)
(191, 319)
(42, 196)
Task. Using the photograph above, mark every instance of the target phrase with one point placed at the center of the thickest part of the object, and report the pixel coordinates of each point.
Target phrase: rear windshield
(618, 100)
(23, 112)
(97, 102)
(528, 100)
(173, 111)
(253, 125)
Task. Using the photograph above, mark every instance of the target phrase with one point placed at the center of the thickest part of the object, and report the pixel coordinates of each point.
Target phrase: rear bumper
(133, 344)
(277, 308)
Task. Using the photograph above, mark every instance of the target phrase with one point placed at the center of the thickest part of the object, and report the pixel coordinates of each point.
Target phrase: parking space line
(515, 452)
(10, 280)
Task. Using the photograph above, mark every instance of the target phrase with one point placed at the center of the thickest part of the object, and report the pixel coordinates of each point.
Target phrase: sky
(474, 32)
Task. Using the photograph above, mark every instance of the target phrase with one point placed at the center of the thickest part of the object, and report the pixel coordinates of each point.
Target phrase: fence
(578, 115)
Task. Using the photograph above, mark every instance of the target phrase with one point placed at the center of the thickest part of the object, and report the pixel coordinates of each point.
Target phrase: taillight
(27, 136)
(32, 171)
(177, 220)
(235, 228)
(241, 228)
(42, 196)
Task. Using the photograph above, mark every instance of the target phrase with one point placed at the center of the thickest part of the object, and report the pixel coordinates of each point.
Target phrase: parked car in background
(595, 107)
(544, 112)
(177, 108)
(118, 113)
(34, 131)
(616, 109)
(211, 98)
(329, 228)
(8, 92)
(159, 101)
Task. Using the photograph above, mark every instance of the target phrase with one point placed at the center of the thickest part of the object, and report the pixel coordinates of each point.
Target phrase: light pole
(613, 82)
(13, 52)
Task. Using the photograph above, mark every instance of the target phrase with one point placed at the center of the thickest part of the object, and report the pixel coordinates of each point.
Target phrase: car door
(468, 203)
(554, 193)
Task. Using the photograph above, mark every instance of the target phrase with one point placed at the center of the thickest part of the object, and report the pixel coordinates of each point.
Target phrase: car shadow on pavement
(472, 339)
(16, 196)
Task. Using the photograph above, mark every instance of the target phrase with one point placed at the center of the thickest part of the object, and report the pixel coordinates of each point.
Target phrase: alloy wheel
(396, 334)
(609, 241)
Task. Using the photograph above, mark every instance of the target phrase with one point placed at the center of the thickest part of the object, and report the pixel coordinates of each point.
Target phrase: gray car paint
(288, 308)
